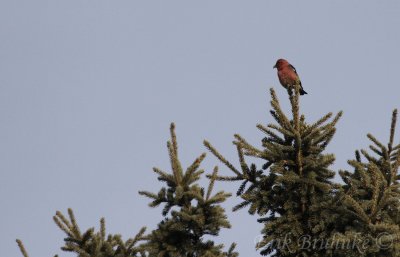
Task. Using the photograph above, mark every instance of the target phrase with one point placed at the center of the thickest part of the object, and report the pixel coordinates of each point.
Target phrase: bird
(288, 76)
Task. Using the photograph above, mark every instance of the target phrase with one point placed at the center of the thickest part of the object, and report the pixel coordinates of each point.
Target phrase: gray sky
(88, 89)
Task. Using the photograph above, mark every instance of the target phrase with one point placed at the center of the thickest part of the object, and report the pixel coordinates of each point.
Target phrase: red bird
(288, 76)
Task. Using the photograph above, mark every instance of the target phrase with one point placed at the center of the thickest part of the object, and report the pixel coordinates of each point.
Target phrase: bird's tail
(302, 92)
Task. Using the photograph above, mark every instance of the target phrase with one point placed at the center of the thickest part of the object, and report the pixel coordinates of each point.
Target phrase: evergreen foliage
(371, 198)
(91, 243)
(293, 191)
(303, 212)
(194, 212)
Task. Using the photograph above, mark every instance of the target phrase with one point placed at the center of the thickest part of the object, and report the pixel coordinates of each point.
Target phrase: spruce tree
(194, 212)
(371, 200)
(292, 192)
(191, 215)
(303, 212)
(91, 243)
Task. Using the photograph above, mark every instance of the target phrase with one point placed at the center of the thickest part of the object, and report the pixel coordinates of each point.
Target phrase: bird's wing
(298, 78)
(293, 68)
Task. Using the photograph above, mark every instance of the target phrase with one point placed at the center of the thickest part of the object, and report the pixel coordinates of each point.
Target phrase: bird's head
(281, 63)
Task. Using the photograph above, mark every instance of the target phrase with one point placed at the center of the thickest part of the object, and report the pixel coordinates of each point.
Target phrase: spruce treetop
(293, 191)
(370, 196)
(194, 211)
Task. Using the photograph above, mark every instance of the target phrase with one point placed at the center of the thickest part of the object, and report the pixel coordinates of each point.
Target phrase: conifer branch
(231, 250)
(212, 180)
(294, 101)
(149, 195)
(318, 123)
(376, 141)
(192, 168)
(74, 228)
(62, 223)
(396, 166)
(22, 248)
(243, 144)
(221, 158)
(282, 119)
(103, 229)
(288, 133)
(272, 136)
(164, 176)
(376, 183)
(173, 139)
(392, 129)
(358, 209)
(241, 188)
(336, 119)
(226, 178)
(383, 202)
(376, 150)
(242, 161)
(369, 157)
(241, 205)
(327, 130)
(175, 164)
(358, 156)
(139, 236)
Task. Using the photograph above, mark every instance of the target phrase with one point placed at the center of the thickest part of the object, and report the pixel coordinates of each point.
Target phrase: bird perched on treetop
(288, 76)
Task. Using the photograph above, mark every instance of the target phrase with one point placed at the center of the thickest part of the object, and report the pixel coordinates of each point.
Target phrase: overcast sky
(88, 89)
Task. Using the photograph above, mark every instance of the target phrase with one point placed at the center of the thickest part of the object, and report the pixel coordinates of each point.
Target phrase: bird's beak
(274, 66)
